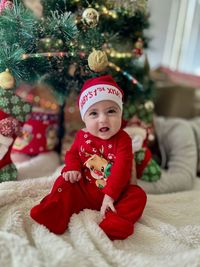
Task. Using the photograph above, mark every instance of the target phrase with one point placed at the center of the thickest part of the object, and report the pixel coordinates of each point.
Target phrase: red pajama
(108, 172)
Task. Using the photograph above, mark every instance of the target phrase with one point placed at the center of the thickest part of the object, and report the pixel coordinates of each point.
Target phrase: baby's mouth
(104, 129)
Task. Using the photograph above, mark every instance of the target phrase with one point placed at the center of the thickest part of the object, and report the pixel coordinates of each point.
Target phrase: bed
(168, 234)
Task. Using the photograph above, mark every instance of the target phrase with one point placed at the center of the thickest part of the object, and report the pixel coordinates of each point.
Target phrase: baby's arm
(121, 169)
(72, 176)
(72, 170)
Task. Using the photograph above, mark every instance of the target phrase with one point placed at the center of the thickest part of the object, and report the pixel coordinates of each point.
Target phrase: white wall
(175, 33)
(159, 19)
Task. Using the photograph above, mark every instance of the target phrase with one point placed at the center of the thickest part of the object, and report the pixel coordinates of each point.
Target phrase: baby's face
(103, 119)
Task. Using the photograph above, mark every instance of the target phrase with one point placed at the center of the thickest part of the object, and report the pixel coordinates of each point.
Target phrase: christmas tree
(53, 44)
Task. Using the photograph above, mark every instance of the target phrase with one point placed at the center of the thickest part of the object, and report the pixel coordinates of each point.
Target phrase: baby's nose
(102, 117)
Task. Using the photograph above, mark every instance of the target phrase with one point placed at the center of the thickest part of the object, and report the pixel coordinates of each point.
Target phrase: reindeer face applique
(99, 169)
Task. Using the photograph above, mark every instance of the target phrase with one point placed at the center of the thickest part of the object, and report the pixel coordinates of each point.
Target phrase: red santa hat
(98, 89)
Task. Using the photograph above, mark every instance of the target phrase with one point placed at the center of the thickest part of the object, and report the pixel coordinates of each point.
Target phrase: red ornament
(138, 49)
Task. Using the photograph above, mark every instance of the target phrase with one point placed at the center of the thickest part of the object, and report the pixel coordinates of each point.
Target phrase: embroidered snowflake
(14, 99)
(38, 136)
(110, 146)
(16, 109)
(26, 108)
(111, 156)
(7, 110)
(20, 118)
(14, 174)
(3, 102)
(5, 176)
(94, 150)
(85, 135)
(88, 142)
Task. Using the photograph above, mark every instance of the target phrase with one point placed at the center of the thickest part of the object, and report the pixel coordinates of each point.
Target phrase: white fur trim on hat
(97, 93)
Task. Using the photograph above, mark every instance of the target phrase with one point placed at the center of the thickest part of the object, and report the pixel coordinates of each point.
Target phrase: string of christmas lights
(82, 54)
(52, 54)
(47, 54)
(115, 54)
(111, 52)
(126, 74)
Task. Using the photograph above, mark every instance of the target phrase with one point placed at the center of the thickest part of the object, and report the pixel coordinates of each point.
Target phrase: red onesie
(106, 169)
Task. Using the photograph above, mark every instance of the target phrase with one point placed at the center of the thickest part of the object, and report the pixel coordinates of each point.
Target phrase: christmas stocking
(147, 168)
(39, 134)
(13, 112)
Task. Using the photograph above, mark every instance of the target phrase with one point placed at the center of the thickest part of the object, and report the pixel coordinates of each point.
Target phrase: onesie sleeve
(121, 169)
(72, 159)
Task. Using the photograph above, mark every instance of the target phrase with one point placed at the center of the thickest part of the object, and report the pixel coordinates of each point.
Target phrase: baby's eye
(111, 111)
(93, 113)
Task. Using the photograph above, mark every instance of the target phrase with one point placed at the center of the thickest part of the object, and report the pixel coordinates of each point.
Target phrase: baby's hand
(107, 204)
(72, 176)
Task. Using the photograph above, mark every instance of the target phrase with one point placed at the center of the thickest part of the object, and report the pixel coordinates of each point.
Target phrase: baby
(97, 169)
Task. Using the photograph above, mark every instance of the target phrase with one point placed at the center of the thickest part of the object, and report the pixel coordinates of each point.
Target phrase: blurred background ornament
(90, 17)
(138, 48)
(131, 5)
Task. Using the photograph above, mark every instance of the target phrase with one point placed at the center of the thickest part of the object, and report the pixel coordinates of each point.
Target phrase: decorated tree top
(65, 42)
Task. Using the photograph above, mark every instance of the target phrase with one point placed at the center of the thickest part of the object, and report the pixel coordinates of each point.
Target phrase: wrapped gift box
(177, 94)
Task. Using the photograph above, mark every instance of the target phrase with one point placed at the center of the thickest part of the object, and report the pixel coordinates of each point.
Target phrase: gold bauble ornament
(98, 61)
(90, 17)
(7, 81)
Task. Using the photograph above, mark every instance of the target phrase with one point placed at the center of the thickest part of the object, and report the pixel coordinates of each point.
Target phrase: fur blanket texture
(168, 234)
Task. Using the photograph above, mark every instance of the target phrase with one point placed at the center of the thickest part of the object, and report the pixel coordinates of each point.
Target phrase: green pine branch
(61, 26)
(18, 25)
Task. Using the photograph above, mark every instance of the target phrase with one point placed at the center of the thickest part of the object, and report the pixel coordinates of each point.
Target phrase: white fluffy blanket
(168, 234)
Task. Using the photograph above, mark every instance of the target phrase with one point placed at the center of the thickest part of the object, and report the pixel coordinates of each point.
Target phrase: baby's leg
(55, 209)
(129, 209)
